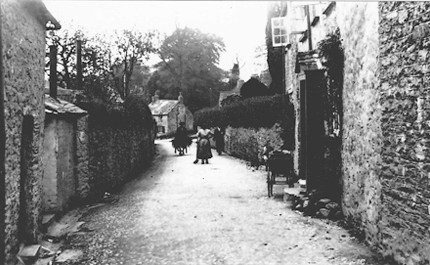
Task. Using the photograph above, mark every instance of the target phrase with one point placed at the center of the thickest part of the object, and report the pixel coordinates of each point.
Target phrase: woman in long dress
(203, 145)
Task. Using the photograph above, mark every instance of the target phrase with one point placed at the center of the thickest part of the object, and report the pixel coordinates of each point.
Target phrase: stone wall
(116, 154)
(23, 40)
(66, 156)
(49, 180)
(404, 74)
(82, 171)
(362, 132)
(247, 144)
(292, 82)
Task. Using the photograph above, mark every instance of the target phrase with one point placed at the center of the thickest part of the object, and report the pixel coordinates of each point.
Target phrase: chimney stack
(181, 98)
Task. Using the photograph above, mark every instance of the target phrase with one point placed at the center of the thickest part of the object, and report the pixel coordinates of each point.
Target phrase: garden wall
(361, 138)
(405, 99)
(247, 143)
(116, 154)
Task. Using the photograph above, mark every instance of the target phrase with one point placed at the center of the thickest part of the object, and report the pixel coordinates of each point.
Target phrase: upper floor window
(279, 32)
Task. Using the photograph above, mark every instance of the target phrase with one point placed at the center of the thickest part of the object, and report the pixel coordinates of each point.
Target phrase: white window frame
(280, 34)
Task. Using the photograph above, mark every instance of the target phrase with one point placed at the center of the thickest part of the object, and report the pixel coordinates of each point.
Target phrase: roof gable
(58, 106)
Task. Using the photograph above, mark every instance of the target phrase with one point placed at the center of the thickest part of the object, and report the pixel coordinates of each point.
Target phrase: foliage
(95, 67)
(248, 143)
(131, 47)
(274, 55)
(110, 69)
(258, 112)
(331, 51)
(244, 144)
(189, 65)
(132, 112)
(253, 88)
(250, 113)
(232, 99)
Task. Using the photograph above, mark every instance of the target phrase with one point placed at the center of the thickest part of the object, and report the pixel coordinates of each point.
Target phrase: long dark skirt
(204, 150)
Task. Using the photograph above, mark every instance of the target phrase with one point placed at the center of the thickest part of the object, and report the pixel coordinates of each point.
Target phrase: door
(25, 222)
(312, 128)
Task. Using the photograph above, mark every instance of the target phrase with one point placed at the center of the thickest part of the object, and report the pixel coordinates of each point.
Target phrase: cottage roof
(58, 106)
(162, 106)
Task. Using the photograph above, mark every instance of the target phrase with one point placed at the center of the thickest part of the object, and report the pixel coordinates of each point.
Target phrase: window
(279, 31)
(161, 129)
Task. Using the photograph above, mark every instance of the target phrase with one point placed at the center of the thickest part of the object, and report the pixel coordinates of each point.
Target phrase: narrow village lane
(181, 213)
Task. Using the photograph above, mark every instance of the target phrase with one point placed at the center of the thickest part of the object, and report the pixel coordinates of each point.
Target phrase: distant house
(169, 113)
(61, 142)
(24, 24)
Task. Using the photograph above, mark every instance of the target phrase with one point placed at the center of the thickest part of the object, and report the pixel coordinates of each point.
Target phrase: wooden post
(308, 20)
(79, 64)
(53, 71)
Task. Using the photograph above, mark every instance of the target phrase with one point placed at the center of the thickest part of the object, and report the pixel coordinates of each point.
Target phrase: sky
(241, 24)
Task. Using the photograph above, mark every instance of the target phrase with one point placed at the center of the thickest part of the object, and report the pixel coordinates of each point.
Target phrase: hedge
(132, 112)
(256, 112)
(248, 143)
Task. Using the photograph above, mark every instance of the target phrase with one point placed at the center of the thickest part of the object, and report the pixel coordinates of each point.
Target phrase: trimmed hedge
(248, 143)
(256, 112)
(133, 112)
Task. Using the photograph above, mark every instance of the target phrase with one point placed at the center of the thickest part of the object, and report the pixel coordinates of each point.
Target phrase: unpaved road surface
(181, 213)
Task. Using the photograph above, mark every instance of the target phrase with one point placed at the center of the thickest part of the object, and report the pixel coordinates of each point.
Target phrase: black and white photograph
(214, 132)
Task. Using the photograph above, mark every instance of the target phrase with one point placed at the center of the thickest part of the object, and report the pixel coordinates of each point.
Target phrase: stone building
(23, 27)
(381, 125)
(62, 177)
(169, 113)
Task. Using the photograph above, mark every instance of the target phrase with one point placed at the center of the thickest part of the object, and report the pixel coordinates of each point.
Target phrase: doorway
(25, 226)
(320, 156)
(312, 128)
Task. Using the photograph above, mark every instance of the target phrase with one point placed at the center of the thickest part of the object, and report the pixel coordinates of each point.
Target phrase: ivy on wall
(331, 50)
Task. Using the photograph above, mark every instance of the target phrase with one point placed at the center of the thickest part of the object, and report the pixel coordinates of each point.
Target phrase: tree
(111, 65)
(232, 99)
(65, 41)
(253, 88)
(188, 64)
(131, 48)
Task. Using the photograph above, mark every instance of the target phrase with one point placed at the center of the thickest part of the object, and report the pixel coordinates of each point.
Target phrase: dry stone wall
(23, 40)
(82, 162)
(116, 153)
(248, 143)
(405, 99)
(362, 130)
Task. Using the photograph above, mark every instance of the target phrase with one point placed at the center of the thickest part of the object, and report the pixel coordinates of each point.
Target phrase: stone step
(47, 220)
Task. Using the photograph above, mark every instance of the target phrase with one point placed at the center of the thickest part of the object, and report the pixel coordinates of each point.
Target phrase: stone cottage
(23, 28)
(375, 135)
(169, 113)
(62, 179)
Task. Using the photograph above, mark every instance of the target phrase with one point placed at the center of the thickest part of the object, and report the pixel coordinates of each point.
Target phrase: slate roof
(162, 106)
(58, 106)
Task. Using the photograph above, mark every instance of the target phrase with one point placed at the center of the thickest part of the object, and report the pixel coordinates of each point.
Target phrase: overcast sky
(240, 23)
